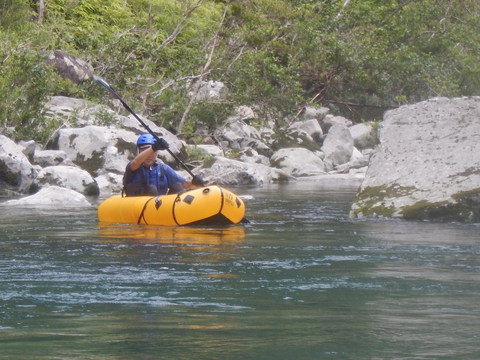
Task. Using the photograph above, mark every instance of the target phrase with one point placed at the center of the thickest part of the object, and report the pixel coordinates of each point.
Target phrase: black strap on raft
(142, 214)
(177, 199)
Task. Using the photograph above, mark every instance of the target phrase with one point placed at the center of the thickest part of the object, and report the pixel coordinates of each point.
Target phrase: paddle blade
(101, 82)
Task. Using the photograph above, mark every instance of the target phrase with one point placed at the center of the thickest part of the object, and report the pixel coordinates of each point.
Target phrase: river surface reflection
(301, 281)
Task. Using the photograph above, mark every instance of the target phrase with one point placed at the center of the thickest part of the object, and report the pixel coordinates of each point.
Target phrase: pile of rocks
(88, 154)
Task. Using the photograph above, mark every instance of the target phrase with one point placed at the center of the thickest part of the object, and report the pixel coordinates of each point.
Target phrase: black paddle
(107, 86)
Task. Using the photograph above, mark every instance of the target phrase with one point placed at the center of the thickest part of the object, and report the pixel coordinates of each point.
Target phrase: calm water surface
(302, 281)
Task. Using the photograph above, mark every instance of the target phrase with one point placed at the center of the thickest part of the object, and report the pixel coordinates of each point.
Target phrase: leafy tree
(277, 55)
(24, 84)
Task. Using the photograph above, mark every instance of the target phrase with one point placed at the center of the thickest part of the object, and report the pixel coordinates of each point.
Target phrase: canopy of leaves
(361, 57)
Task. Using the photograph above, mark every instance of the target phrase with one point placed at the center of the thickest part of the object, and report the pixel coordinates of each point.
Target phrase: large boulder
(97, 149)
(252, 156)
(75, 112)
(16, 171)
(84, 146)
(427, 164)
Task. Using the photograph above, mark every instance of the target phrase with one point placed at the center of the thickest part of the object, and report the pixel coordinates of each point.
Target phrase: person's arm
(140, 158)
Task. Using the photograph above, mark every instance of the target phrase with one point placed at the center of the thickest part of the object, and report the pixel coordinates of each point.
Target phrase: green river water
(301, 281)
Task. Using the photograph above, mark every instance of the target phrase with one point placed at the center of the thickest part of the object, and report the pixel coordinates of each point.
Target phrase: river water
(301, 281)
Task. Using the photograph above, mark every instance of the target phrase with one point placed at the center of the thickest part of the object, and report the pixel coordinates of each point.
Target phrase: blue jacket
(157, 180)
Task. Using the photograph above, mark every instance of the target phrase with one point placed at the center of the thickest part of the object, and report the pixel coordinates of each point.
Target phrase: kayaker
(145, 176)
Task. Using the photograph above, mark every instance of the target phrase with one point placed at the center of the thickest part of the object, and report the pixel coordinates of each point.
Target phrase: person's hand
(160, 144)
(197, 181)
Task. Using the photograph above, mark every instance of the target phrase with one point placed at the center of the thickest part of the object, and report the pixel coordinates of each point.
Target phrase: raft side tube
(159, 211)
(118, 209)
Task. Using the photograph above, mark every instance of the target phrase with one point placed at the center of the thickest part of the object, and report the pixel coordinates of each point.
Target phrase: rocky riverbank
(89, 152)
(425, 165)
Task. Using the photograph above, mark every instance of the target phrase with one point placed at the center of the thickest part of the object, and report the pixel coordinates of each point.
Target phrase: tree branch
(178, 29)
(341, 10)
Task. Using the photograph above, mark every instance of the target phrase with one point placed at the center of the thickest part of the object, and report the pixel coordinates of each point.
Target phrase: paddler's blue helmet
(145, 139)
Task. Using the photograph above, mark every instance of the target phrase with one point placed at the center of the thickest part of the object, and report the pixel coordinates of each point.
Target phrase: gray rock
(307, 133)
(357, 161)
(16, 171)
(236, 134)
(427, 164)
(46, 158)
(244, 113)
(363, 135)
(233, 172)
(97, 149)
(338, 146)
(68, 177)
(53, 196)
(110, 183)
(331, 120)
(70, 67)
(249, 155)
(298, 162)
(78, 112)
(212, 150)
(317, 113)
(209, 90)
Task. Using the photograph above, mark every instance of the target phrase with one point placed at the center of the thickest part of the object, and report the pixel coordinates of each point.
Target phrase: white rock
(52, 196)
(69, 177)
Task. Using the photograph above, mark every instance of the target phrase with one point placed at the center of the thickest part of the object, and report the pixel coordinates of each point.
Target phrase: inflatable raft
(202, 206)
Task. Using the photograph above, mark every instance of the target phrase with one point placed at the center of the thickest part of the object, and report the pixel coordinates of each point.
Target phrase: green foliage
(105, 118)
(276, 55)
(209, 114)
(198, 156)
(24, 84)
(259, 78)
(15, 15)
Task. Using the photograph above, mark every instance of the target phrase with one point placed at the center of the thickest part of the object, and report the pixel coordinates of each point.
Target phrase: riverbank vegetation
(359, 57)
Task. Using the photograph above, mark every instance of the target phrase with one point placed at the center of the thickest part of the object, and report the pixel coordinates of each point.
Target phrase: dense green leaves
(24, 84)
(277, 55)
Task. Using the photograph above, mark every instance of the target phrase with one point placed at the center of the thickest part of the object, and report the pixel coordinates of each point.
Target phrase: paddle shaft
(114, 92)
